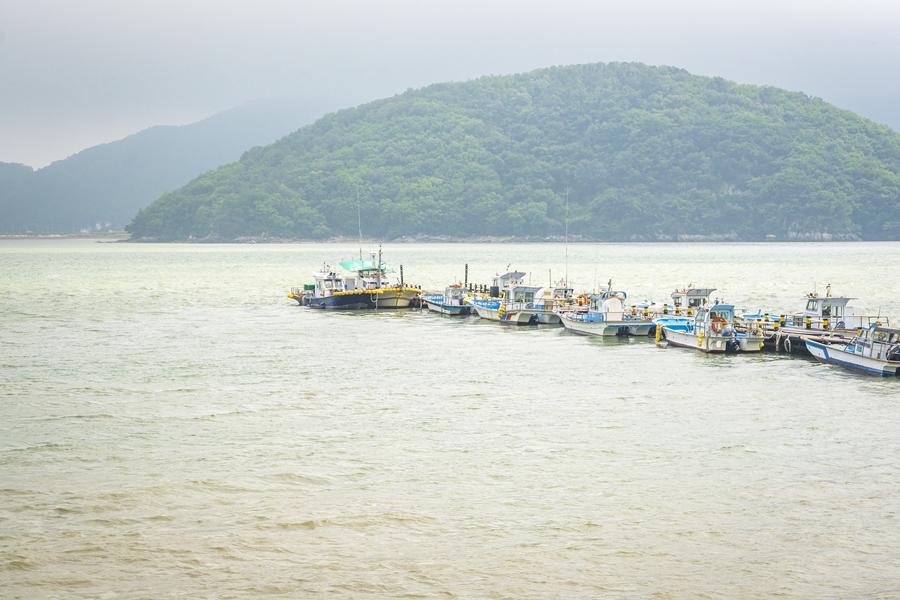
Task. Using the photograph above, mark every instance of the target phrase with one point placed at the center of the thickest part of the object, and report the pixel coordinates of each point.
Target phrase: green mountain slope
(646, 153)
(110, 182)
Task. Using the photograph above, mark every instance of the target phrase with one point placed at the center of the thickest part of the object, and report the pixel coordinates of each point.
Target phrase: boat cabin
(327, 282)
(718, 318)
(454, 295)
(504, 283)
(880, 343)
(370, 274)
(839, 313)
(520, 297)
(608, 306)
(552, 297)
(691, 297)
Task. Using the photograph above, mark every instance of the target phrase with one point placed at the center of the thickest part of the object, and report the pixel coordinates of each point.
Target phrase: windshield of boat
(720, 314)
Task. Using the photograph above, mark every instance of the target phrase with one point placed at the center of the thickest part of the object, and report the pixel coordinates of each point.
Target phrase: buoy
(500, 312)
(717, 324)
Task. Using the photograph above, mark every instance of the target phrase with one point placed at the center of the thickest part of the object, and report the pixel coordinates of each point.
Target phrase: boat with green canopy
(369, 287)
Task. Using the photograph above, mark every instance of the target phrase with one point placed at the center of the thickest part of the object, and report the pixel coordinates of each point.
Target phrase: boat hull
(833, 355)
(713, 344)
(607, 328)
(387, 298)
(518, 316)
(455, 310)
(339, 303)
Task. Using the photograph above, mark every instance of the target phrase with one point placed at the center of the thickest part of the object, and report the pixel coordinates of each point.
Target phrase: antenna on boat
(567, 237)
(358, 219)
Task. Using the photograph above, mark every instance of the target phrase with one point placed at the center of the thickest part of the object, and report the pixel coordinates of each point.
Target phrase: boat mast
(567, 237)
(358, 219)
(379, 267)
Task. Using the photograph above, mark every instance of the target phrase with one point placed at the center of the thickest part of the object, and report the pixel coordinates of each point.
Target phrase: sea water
(172, 425)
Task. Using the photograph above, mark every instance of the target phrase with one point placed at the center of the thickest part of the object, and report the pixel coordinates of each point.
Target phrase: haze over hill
(110, 182)
(642, 153)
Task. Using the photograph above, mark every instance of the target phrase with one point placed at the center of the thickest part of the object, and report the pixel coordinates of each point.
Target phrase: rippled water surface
(171, 425)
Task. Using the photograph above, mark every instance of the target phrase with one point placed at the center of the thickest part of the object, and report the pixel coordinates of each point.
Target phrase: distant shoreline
(680, 239)
(660, 239)
(117, 237)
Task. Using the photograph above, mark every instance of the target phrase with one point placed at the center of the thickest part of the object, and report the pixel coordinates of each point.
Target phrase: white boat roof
(830, 299)
(694, 292)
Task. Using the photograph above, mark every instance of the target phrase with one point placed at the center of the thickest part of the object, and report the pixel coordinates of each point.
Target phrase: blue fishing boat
(454, 301)
(876, 350)
(711, 331)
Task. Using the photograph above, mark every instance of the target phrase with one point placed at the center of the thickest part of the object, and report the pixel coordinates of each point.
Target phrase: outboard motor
(732, 345)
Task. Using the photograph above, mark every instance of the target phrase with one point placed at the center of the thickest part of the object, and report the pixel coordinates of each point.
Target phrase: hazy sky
(77, 73)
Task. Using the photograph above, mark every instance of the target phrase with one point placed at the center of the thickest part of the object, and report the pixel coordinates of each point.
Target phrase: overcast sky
(75, 74)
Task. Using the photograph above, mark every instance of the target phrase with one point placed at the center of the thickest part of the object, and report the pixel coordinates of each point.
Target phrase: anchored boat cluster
(828, 328)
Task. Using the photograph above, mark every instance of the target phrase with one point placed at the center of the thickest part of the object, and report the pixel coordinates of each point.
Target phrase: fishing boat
(876, 350)
(454, 301)
(830, 318)
(712, 331)
(511, 302)
(606, 316)
(370, 288)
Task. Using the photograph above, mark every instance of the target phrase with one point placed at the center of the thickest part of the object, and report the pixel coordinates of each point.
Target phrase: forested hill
(645, 152)
(110, 182)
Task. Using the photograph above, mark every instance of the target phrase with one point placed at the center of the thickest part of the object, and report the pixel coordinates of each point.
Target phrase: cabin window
(676, 300)
(812, 305)
(529, 296)
(329, 284)
(837, 311)
(695, 302)
(894, 337)
(520, 296)
(880, 336)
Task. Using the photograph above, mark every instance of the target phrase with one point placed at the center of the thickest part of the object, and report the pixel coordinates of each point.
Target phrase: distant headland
(616, 152)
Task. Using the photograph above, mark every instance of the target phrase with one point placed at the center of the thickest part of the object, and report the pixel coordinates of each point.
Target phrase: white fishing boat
(876, 350)
(606, 316)
(828, 313)
(511, 302)
(711, 330)
(454, 301)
